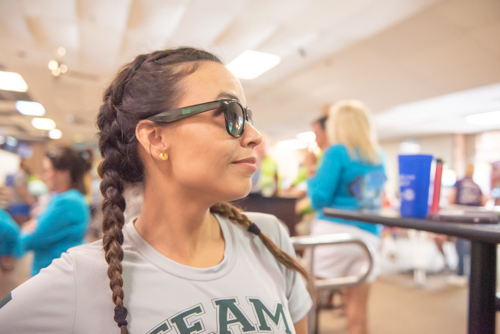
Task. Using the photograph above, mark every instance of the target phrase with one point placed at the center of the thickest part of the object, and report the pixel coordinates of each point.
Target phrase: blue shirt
(61, 226)
(346, 183)
(9, 233)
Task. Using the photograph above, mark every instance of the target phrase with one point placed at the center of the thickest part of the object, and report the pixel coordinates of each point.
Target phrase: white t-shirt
(248, 292)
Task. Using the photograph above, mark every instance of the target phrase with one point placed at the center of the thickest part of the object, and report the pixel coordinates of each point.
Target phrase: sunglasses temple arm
(177, 114)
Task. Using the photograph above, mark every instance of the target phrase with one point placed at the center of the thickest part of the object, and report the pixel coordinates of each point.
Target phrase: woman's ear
(150, 137)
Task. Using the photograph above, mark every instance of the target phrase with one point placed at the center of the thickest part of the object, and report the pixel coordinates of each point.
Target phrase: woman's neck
(180, 227)
(62, 188)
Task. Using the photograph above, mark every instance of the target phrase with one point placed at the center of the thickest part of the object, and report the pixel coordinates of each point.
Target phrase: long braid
(140, 90)
(114, 146)
(234, 214)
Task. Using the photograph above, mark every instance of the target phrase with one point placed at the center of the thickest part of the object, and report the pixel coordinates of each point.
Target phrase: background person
(21, 200)
(62, 224)
(299, 185)
(318, 127)
(266, 180)
(177, 121)
(350, 177)
(465, 192)
(9, 233)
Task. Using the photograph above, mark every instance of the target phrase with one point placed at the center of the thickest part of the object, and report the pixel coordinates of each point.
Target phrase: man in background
(465, 192)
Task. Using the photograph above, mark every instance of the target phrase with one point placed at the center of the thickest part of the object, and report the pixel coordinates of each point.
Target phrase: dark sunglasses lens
(235, 119)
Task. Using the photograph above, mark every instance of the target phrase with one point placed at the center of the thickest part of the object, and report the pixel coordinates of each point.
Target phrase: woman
(350, 177)
(62, 224)
(9, 233)
(175, 121)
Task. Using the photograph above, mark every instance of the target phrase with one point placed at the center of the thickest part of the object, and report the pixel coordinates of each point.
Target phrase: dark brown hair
(145, 87)
(321, 121)
(76, 162)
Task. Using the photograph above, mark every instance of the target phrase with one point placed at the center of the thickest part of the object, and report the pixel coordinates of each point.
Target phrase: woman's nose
(251, 137)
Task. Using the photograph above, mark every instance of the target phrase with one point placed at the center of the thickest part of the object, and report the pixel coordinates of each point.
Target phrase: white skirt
(334, 261)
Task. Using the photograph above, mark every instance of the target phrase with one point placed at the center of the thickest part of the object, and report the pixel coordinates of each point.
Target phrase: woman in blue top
(9, 232)
(63, 223)
(350, 177)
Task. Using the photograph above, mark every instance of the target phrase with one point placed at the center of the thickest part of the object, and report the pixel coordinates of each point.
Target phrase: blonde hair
(349, 124)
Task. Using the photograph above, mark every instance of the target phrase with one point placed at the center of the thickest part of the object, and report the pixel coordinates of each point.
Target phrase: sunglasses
(235, 115)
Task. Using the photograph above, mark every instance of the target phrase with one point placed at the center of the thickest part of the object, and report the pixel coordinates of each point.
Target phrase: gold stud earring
(163, 156)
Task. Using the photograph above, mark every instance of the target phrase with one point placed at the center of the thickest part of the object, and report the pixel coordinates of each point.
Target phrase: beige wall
(440, 146)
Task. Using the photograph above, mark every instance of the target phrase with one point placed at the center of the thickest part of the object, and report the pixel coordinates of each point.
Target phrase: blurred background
(422, 66)
(429, 70)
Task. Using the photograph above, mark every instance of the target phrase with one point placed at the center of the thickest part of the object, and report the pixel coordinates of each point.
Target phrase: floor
(397, 306)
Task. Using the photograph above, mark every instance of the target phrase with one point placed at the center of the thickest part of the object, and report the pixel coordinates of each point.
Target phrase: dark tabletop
(489, 233)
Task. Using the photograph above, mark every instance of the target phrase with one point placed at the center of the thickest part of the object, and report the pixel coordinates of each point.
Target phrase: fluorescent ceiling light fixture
(291, 144)
(308, 136)
(43, 123)
(12, 81)
(30, 108)
(250, 64)
(485, 118)
(55, 134)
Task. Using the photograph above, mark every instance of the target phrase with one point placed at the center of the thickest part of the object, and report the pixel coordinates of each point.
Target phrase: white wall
(9, 163)
(440, 146)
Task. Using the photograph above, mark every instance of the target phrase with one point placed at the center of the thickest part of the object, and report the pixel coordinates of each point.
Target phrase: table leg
(482, 288)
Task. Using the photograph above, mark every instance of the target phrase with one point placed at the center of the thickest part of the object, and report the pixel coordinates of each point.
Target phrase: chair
(311, 242)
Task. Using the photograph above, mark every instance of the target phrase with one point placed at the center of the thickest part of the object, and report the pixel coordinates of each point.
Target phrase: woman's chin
(238, 194)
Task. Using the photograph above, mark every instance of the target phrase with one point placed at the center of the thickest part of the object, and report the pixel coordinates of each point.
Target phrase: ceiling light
(63, 68)
(55, 134)
(61, 51)
(43, 123)
(251, 64)
(291, 144)
(56, 72)
(308, 136)
(485, 118)
(30, 108)
(53, 65)
(13, 82)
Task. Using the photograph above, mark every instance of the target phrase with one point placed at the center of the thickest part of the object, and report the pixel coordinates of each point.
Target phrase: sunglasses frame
(180, 113)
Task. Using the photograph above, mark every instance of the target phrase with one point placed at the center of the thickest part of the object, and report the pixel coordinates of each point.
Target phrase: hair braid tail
(113, 206)
(234, 214)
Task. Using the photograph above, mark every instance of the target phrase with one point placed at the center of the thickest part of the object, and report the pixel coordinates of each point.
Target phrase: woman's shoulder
(336, 153)
(70, 197)
(336, 149)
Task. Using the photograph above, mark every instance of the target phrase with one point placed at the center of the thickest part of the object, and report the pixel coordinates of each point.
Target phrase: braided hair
(145, 87)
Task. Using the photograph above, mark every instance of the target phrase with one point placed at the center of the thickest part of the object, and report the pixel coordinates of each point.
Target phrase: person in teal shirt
(63, 223)
(9, 233)
(350, 176)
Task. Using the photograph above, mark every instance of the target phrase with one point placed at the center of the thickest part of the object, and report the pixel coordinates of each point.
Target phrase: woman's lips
(250, 163)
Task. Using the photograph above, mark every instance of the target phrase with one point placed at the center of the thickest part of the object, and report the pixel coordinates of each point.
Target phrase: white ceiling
(383, 52)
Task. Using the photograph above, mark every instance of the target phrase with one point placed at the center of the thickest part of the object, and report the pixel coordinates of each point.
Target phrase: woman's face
(48, 173)
(56, 180)
(203, 157)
